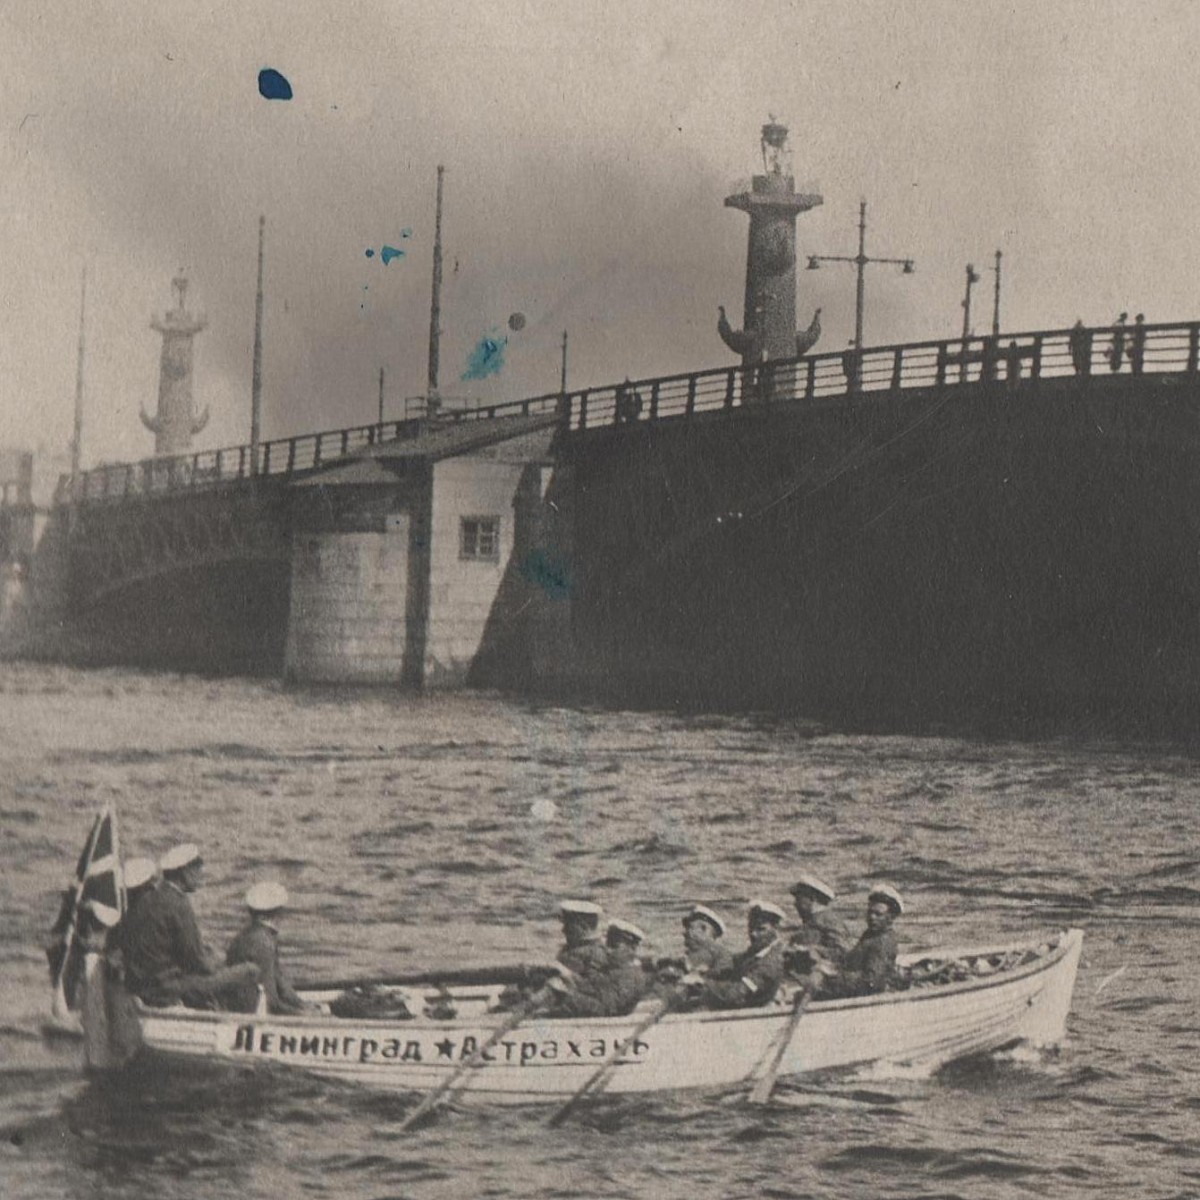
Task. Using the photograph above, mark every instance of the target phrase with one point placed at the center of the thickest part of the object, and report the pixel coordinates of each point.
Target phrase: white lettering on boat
(270, 1043)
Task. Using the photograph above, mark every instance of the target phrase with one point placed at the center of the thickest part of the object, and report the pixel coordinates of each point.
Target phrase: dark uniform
(824, 933)
(165, 960)
(710, 958)
(258, 943)
(611, 992)
(162, 945)
(869, 965)
(751, 980)
(585, 959)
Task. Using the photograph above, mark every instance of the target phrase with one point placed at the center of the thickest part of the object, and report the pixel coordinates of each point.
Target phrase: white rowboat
(997, 997)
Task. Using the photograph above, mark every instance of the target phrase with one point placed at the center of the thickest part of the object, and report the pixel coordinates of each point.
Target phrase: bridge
(693, 523)
(1014, 360)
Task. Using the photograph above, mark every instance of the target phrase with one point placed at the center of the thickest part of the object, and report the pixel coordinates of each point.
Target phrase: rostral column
(174, 424)
(769, 319)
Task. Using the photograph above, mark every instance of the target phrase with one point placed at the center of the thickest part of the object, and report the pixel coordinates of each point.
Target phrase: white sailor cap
(179, 857)
(888, 894)
(139, 872)
(104, 913)
(813, 886)
(701, 912)
(761, 910)
(266, 897)
(580, 908)
(625, 930)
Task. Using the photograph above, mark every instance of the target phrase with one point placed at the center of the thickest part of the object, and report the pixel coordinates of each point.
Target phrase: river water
(441, 831)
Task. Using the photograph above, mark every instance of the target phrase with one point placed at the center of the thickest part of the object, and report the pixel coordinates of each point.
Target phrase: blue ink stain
(406, 233)
(549, 572)
(273, 86)
(370, 253)
(487, 358)
(390, 252)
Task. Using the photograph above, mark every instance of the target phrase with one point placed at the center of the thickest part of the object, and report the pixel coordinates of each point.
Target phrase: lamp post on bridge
(996, 299)
(972, 278)
(860, 262)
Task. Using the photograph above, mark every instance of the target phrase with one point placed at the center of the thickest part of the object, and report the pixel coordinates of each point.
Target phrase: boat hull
(545, 1059)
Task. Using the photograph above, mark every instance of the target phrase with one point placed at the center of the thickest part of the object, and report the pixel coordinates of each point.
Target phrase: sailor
(869, 966)
(821, 932)
(705, 953)
(258, 942)
(165, 959)
(679, 980)
(582, 952)
(754, 976)
(610, 991)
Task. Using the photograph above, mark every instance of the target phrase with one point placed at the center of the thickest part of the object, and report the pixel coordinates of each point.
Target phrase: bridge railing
(1011, 359)
(283, 456)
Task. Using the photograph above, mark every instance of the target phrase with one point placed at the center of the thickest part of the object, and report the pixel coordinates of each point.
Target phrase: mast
(435, 306)
(256, 372)
(563, 381)
(77, 438)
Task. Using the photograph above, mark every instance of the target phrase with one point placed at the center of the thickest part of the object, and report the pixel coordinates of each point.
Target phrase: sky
(588, 148)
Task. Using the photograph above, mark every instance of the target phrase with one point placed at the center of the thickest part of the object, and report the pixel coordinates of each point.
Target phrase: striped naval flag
(95, 898)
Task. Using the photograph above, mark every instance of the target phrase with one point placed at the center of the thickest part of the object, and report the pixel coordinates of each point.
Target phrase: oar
(599, 1078)
(476, 1057)
(766, 1085)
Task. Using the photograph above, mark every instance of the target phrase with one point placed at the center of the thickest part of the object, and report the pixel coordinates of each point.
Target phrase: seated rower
(679, 980)
(582, 952)
(165, 959)
(821, 932)
(869, 966)
(611, 991)
(258, 943)
(754, 976)
(704, 951)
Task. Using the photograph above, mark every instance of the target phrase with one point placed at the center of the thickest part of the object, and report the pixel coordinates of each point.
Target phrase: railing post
(241, 462)
(897, 362)
(1035, 370)
(654, 399)
(729, 384)
(266, 467)
(940, 379)
(583, 407)
(1193, 359)
(689, 406)
(810, 382)
(345, 441)
(317, 450)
